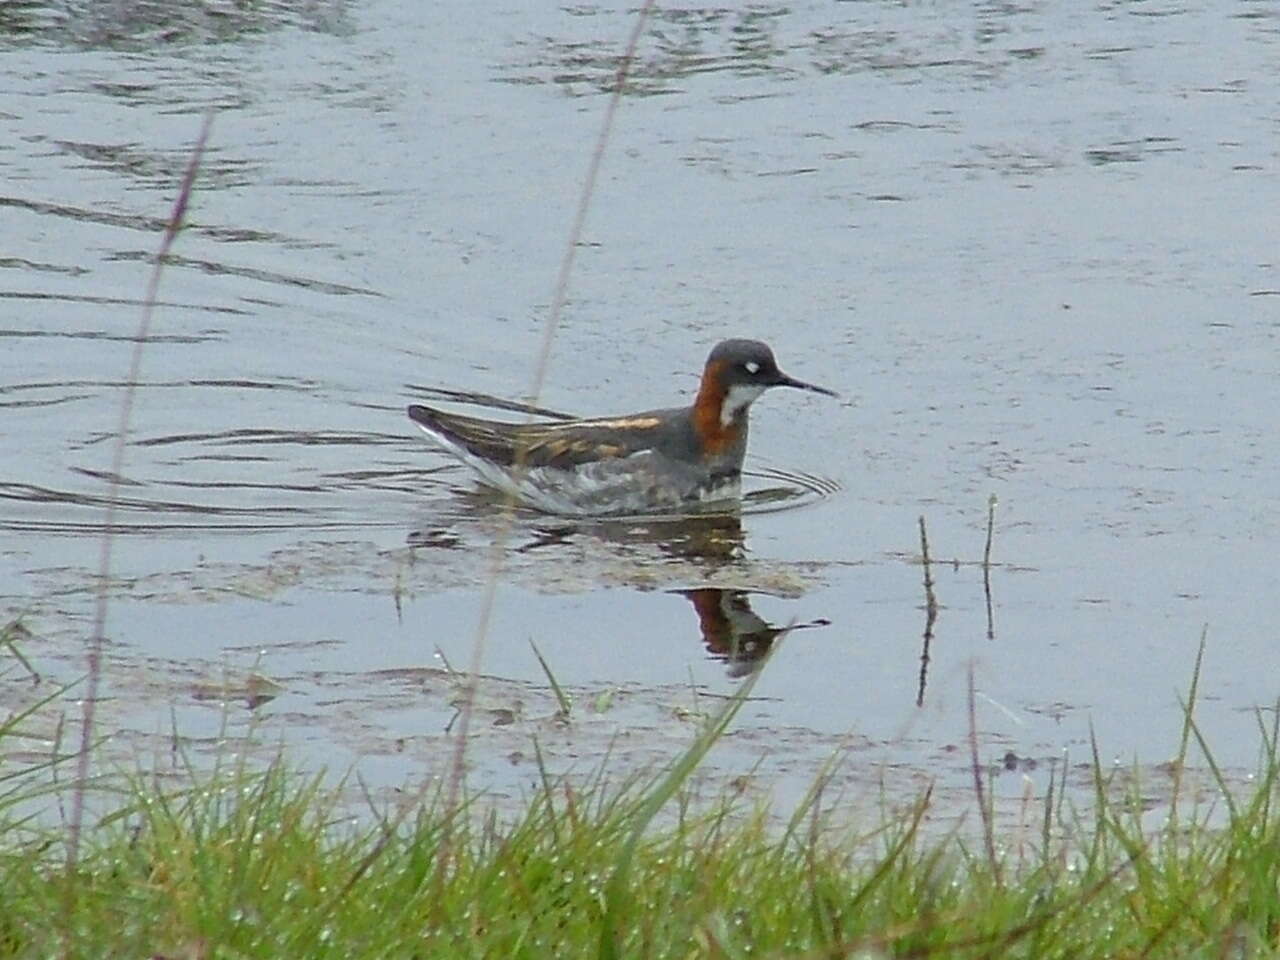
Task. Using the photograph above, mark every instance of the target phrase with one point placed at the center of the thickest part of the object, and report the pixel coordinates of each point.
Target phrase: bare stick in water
(930, 612)
(986, 564)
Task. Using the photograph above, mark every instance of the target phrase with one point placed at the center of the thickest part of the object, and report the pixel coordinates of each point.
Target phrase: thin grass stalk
(1102, 805)
(9, 728)
(562, 698)
(822, 915)
(1046, 826)
(1224, 790)
(98, 636)
(457, 763)
(897, 850)
(642, 813)
(1270, 757)
(1184, 741)
(809, 801)
(9, 638)
(979, 790)
(1162, 932)
(995, 945)
(548, 793)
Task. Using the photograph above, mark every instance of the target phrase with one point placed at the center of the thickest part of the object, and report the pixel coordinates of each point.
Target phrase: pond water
(1031, 245)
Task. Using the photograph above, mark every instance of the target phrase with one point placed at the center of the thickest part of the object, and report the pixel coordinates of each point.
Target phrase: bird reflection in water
(733, 632)
(715, 537)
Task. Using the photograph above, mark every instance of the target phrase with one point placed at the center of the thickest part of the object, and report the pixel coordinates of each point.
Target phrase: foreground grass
(269, 864)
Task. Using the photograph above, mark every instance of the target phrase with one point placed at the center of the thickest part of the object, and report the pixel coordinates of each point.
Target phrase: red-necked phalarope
(657, 461)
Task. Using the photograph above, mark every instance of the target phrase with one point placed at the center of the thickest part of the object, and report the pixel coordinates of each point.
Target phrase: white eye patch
(751, 367)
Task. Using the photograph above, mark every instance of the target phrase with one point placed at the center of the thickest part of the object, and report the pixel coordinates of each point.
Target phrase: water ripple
(788, 490)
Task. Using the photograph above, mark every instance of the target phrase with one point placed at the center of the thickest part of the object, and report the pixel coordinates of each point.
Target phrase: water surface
(1031, 245)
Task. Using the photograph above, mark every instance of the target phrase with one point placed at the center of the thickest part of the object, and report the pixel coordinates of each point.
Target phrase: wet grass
(254, 863)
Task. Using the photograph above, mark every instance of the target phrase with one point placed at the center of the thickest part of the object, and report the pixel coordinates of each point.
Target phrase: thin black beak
(785, 381)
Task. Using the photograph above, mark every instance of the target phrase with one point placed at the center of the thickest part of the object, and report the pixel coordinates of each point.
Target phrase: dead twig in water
(930, 612)
(986, 564)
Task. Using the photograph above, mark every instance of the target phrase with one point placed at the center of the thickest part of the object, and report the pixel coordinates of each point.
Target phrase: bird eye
(751, 367)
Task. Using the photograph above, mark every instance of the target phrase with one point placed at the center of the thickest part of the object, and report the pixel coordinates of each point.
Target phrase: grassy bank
(271, 864)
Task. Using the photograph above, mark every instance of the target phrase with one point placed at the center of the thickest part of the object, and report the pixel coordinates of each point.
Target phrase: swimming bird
(659, 461)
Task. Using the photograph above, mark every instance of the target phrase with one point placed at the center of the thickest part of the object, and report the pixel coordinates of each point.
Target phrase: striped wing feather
(557, 445)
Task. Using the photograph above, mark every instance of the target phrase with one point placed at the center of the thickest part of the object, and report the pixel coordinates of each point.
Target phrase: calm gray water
(1032, 245)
